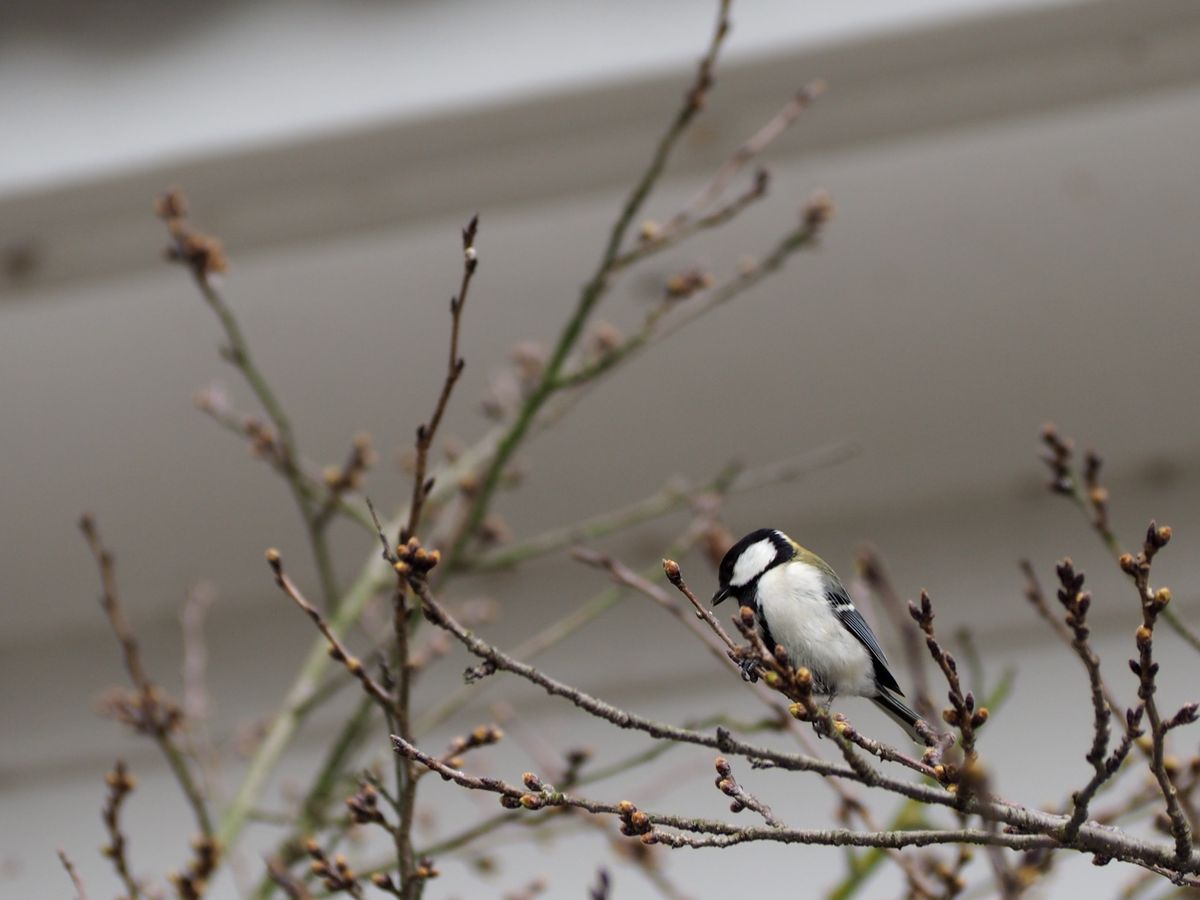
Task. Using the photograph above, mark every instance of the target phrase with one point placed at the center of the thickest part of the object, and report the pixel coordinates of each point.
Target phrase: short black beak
(720, 595)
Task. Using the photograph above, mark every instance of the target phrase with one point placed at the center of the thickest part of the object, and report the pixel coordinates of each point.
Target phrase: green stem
(591, 293)
(238, 355)
(320, 794)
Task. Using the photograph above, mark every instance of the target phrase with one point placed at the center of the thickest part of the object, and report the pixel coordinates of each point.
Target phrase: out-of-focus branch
(204, 258)
(120, 786)
(689, 220)
(148, 710)
(676, 494)
(665, 321)
(593, 290)
(875, 574)
(212, 402)
(76, 881)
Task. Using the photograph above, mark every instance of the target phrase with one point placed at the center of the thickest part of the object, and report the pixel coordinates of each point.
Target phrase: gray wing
(857, 626)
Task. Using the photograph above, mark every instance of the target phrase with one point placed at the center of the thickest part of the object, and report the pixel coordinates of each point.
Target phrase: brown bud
(798, 711)
(803, 677)
(649, 230)
(273, 556)
(1127, 563)
(532, 801)
(723, 767)
(532, 781)
(626, 808)
(649, 838)
(747, 615)
(1162, 597)
(980, 717)
(1144, 636)
(671, 568)
(639, 820)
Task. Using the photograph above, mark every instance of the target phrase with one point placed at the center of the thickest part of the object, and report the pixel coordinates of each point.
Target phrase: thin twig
(1146, 669)
(149, 711)
(204, 259)
(76, 881)
(454, 369)
(337, 650)
(120, 786)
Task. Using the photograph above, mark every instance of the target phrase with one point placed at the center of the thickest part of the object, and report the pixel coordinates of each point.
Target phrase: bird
(801, 605)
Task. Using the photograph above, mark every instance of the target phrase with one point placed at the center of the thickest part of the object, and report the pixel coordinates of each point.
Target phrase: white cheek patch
(752, 563)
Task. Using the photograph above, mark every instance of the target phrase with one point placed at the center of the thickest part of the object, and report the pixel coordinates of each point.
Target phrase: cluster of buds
(120, 785)
(349, 476)
(635, 823)
(425, 870)
(1074, 599)
(957, 714)
(1138, 567)
(481, 736)
(961, 713)
(684, 284)
(192, 883)
(728, 785)
(413, 559)
(803, 706)
(203, 254)
(147, 711)
(364, 805)
(539, 795)
(336, 874)
(1097, 494)
(1059, 452)
(264, 440)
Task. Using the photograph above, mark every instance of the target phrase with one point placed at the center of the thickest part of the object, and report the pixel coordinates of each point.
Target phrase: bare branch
(76, 881)
(337, 650)
(454, 369)
(120, 786)
(148, 710)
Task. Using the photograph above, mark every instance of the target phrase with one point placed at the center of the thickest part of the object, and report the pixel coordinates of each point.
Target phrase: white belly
(792, 600)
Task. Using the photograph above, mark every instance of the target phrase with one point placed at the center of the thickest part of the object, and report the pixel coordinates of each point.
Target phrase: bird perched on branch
(801, 606)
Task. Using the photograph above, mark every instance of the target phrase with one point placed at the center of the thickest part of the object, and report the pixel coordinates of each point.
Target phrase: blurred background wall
(1015, 241)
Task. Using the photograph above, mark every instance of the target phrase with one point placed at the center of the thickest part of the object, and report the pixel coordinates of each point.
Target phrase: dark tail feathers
(899, 712)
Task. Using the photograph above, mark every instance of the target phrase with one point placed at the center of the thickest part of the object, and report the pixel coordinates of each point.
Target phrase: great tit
(801, 606)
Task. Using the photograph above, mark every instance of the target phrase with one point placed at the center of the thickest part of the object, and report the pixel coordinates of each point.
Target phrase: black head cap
(748, 559)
